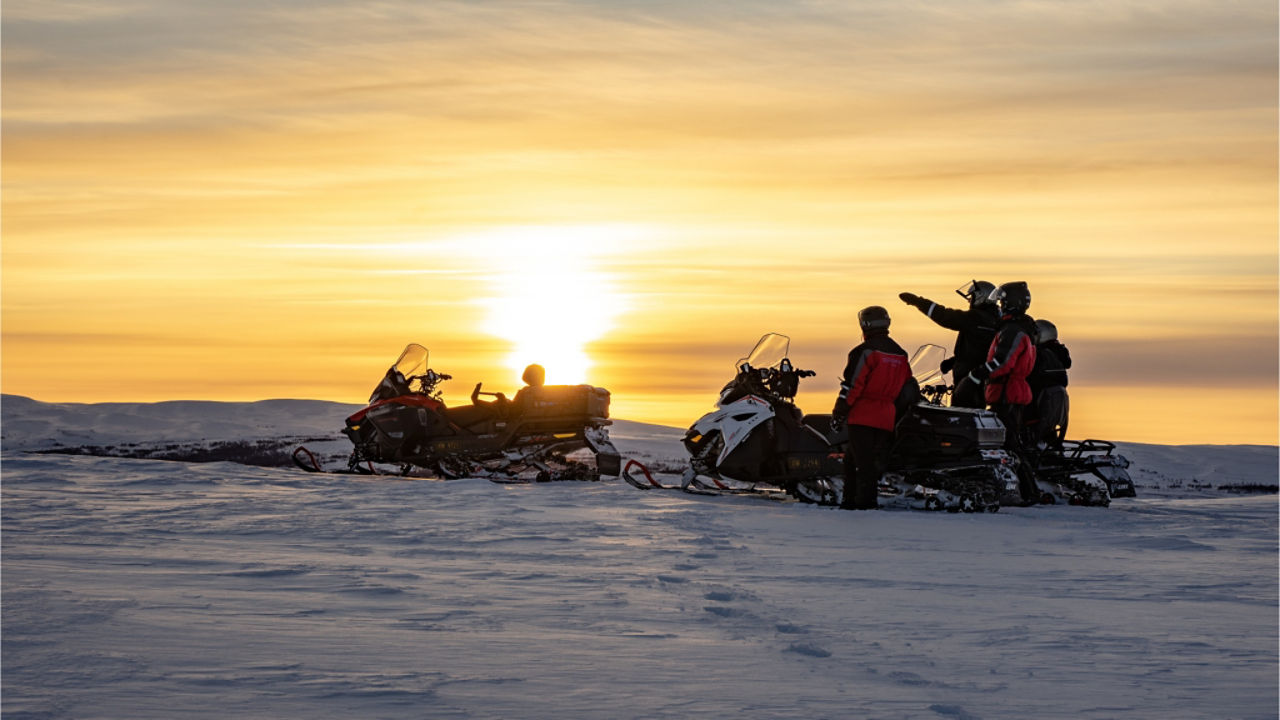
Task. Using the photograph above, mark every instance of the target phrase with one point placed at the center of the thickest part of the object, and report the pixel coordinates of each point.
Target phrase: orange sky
(238, 201)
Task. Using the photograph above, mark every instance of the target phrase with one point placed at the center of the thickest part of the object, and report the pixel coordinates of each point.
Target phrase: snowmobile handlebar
(431, 377)
(935, 393)
(770, 372)
(427, 381)
(784, 383)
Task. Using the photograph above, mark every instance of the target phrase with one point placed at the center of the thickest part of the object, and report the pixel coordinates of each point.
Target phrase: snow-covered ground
(143, 588)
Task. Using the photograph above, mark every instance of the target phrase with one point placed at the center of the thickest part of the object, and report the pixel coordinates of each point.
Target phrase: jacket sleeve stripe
(1005, 354)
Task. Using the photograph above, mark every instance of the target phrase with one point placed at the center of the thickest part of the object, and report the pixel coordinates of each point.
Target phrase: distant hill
(27, 424)
(265, 433)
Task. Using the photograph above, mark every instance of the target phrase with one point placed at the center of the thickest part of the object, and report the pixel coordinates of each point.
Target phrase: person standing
(873, 379)
(975, 327)
(1004, 376)
(1048, 380)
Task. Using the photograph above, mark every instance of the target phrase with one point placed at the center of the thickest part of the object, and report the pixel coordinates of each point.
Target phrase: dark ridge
(260, 453)
(1244, 488)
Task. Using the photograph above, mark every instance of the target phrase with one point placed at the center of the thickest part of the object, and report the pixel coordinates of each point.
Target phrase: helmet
(1013, 297)
(977, 292)
(534, 375)
(1045, 332)
(873, 318)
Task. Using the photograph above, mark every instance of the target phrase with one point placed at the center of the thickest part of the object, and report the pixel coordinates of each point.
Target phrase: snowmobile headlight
(695, 438)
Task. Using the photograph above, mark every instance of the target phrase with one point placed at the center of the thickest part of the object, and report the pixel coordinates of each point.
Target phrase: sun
(551, 295)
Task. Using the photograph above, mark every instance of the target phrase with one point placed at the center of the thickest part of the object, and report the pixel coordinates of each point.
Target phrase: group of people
(1003, 360)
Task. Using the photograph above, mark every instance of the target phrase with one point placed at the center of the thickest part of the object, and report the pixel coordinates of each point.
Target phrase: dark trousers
(1011, 416)
(1052, 408)
(863, 465)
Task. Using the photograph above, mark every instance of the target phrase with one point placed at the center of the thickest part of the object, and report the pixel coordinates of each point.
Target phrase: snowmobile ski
(307, 460)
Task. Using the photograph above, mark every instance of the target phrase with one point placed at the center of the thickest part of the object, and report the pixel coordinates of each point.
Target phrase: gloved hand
(837, 423)
(946, 365)
(909, 298)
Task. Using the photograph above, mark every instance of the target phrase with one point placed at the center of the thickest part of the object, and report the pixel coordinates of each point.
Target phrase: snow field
(155, 589)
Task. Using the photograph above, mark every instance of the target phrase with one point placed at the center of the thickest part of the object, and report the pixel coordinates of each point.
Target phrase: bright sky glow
(547, 296)
(247, 200)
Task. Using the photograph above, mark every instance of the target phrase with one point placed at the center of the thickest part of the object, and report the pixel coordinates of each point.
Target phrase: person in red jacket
(873, 379)
(1010, 360)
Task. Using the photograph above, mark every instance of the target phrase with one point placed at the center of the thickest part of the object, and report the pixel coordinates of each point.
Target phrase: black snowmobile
(946, 458)
(759, 441)
(1085, 472)
(528, 437)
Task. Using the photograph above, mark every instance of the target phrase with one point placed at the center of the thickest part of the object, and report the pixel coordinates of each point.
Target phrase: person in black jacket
(975, 329)
(1050, 404)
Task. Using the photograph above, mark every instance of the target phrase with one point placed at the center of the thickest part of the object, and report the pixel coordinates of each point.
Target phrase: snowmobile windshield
(925, 364)
(413, 361)
(768, 352)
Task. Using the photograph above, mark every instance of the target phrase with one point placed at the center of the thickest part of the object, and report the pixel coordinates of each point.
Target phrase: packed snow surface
(157, 589)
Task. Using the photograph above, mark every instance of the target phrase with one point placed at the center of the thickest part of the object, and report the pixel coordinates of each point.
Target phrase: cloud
(514, 60)
(1205, 361)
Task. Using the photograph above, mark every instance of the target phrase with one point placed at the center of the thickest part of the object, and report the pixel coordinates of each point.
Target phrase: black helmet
(1013, 297)
(534, 375)
(977, 292)
(1045, 332)
(873, 318)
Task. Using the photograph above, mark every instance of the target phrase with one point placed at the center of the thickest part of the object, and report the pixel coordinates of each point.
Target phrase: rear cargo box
(933, 431)
(584, 401)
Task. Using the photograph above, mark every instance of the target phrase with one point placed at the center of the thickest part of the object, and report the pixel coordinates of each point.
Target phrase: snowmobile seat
(468, 416)
(821, 424)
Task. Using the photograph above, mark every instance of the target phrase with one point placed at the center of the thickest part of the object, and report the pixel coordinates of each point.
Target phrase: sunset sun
(549, 294)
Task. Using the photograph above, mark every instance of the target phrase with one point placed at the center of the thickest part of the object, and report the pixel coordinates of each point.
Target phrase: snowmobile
(1084, 472)
(946, 458)
(934, 436)
(759, 437)
(528, 437)
(759, 441)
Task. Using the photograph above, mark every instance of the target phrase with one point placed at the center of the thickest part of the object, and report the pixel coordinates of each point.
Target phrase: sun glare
(551, 296)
